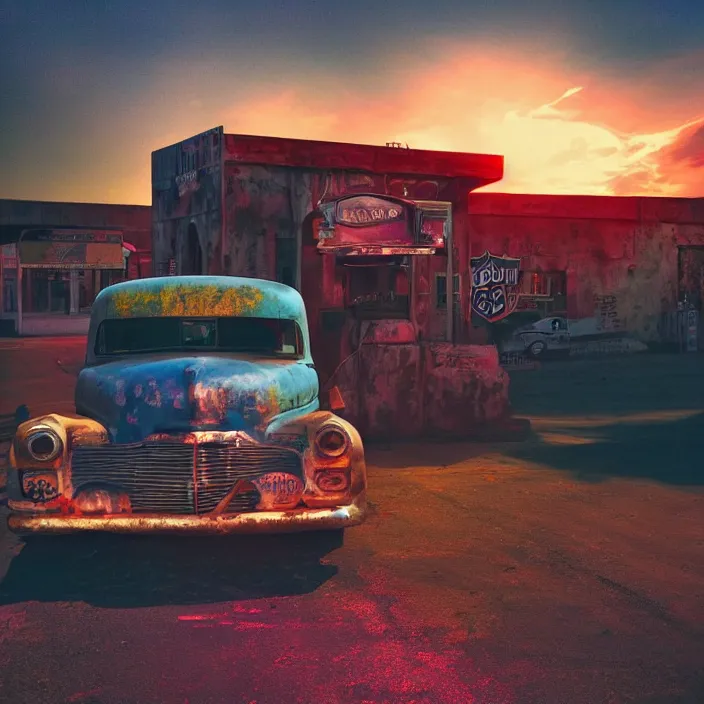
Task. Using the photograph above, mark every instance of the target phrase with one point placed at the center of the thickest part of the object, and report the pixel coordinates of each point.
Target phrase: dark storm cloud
(627, 29)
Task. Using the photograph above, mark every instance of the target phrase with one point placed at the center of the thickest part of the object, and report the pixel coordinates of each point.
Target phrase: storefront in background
(51, 277)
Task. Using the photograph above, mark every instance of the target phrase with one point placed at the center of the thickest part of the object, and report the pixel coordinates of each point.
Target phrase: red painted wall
(621, 247)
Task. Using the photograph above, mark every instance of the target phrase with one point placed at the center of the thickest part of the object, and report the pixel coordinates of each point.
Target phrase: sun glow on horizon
(559, 129)
(579, 157)
(557, 135)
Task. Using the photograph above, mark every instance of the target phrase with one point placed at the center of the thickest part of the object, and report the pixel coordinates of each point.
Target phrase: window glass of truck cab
(270, 337)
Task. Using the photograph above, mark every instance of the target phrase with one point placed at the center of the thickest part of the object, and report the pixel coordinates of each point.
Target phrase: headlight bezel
(327, 452)
(41, 434)
(333, 481)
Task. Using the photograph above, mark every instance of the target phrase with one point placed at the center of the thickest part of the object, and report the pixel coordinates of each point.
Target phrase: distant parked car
(198, 411)
(551, 334)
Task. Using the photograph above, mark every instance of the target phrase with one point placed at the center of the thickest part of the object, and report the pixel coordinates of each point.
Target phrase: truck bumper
(293, 521)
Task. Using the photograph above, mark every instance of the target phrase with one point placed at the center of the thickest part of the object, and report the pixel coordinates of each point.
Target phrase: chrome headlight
(332, 441)
(44, 445)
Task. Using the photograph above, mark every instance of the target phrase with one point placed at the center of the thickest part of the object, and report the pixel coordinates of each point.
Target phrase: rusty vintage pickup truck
(197, 410)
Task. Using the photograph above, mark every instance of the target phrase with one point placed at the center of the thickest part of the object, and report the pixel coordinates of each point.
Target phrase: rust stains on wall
(258, 213)
(407, 390)
(263, 226)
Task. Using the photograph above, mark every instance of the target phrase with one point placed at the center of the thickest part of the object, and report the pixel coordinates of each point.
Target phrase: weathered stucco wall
(436, 389)
(619, 253)
(187, 194)
(269, 214)
(263, 226)
(263, 215)
(266, 204)
(391, 390)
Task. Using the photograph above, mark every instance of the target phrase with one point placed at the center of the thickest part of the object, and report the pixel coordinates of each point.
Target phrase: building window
(441, 288)
(547, 288)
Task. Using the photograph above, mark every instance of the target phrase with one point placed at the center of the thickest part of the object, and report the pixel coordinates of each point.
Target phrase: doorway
(690, 293)
(431, 292)
(690, 277)
(194, 252)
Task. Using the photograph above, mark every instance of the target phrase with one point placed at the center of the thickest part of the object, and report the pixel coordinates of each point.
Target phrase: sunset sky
(581, 96)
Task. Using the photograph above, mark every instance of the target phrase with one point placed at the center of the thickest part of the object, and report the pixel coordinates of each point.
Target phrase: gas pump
(381, 246)
(377, 242)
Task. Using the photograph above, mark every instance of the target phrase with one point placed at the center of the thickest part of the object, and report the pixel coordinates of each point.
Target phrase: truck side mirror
(335, 400)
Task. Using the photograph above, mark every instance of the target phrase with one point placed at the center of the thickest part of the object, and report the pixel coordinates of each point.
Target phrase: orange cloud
(560, 130)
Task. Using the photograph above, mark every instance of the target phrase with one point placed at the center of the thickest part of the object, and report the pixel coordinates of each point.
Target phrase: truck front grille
(180, 478)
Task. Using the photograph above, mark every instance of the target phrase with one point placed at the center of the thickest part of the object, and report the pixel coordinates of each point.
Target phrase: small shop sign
(495, 286)
(367, 210)
(70, 249)
(9, 256)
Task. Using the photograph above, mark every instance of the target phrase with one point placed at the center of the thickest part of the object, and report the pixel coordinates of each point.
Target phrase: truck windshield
(263, 336)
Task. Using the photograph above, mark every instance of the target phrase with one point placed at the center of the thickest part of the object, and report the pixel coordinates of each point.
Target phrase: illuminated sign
(367, 224)
(367, 210)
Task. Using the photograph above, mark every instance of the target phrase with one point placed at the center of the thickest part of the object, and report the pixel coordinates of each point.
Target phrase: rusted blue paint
(162, 394)
(138, 396)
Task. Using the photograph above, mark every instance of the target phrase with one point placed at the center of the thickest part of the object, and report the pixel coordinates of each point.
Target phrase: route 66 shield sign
(495, 284)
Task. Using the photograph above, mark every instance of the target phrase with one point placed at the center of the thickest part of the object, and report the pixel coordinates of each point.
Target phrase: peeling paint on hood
(159, 393)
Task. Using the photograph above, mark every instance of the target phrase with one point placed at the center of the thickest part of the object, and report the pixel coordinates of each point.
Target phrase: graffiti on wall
(337, 183)
(679, 329)
(607, 314)
(187, 183)
(603, 333)
(516, 361)
(495, 286)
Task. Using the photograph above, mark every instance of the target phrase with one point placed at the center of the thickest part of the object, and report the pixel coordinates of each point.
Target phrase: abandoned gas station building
(362, 232)
(254, 206)
(371, 235)
(56, 257)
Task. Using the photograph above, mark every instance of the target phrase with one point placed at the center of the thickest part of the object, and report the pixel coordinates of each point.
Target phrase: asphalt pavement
(566, 569)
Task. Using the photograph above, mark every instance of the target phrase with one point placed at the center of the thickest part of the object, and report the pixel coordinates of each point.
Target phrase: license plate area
(279, 491)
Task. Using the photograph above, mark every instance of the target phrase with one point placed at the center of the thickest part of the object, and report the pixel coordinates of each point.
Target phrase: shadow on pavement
(136, 571)
(637, 417)
(622, 384)
(428, 453)
(667, 451)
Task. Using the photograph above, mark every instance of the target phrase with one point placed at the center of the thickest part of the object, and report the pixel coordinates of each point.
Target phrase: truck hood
(137, 398)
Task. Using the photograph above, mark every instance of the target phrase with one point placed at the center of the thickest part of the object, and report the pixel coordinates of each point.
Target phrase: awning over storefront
(71, 249)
